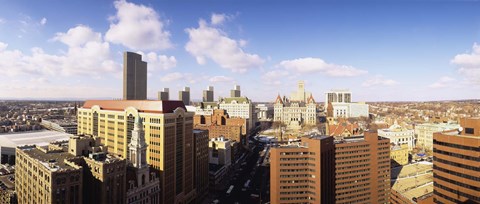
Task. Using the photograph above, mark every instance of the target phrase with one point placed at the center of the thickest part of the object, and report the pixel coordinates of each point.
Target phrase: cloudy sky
(380, 50)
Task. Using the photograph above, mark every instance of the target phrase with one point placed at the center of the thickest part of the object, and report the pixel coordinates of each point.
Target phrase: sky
(379, 50)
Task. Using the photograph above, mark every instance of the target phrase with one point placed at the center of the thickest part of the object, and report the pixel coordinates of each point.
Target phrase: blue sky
(380, 50)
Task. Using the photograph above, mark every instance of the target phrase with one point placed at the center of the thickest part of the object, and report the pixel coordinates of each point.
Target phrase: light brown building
(168, 133)
(220, 124)
(321, 170)
(399, 154)
(362, 169)
(134, 77)
(46, 175)
(303, 174)
(456, 163)
(201, 164)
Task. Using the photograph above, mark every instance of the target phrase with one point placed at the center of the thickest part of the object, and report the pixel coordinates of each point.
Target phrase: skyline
(393, 51)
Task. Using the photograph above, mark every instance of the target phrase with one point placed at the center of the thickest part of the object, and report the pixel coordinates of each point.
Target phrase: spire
(138, 146)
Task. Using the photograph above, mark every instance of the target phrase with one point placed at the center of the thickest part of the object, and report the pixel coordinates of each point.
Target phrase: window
(469, 131)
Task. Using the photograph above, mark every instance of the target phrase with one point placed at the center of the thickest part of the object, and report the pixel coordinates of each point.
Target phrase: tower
(134, 77)
(208, 94)
(163, 95)
(138, 146)
(184, 95)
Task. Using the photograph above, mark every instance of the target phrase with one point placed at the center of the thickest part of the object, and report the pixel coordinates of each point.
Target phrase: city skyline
(381, 51)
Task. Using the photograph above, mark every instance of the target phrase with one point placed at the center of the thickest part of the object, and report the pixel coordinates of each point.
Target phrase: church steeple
(138, 146)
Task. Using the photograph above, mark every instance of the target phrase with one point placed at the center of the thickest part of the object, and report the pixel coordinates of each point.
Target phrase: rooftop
(148, 106)
(55, 161)
(40, 138)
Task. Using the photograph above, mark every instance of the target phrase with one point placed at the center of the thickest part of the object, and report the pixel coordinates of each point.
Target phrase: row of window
(456, 164)
(461, 156)
(474, 178)
(461, 147)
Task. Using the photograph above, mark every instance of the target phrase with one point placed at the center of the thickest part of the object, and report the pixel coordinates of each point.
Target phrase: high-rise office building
(168, 133)
(456, 163)
(320, 169)
(201, 163)
(208, 94)
(164, 95)
(184, 95)
(338, 96)
(300, 95)
(303, 173)
(235, 92)
(45, 175)
(134, 77)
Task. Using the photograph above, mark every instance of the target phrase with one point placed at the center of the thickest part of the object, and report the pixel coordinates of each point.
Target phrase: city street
(253, 170)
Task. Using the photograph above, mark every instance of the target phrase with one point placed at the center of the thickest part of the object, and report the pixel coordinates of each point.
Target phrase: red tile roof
(148, 106)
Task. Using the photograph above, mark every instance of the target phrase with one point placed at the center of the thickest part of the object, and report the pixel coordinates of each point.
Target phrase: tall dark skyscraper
(134, 77)
(208, 94)
(184, 95)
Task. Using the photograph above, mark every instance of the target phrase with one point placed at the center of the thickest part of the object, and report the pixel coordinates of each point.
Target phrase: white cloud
(311, 65)
(87, 54)
(274, 77)
(379, 80)
(158, 62)
(443, 82)
(2, 21)
(174, 76)
(469, 64)
(209, 42)
(78, 36)
(43, 21)
(137, 27)
(218, 19)
(221, 79)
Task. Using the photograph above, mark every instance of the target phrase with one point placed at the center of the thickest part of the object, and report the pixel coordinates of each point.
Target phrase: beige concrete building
(294, 114)
(424, 133)
(220, 151)
(46, 175)
(134, 77)
(239, 107)
(168, 133)
(399, 154)
(300, 95)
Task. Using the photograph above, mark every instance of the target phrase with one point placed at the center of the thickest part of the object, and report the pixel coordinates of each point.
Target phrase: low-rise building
(399, 135)
(412, 183)
(399, 154)
(424, 132)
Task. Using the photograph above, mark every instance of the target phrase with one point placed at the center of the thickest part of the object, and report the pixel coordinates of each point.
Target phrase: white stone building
(399, 135)
(424, 132)
(241, 107)
(295, 113)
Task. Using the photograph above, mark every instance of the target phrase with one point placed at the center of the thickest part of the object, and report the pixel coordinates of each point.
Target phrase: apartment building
(321, 169)
(456, 163)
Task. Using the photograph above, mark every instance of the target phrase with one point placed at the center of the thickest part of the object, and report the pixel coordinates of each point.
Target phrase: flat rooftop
(55, 161)
(40, 138)
(411, 170)
(147, 106)
(414, 187)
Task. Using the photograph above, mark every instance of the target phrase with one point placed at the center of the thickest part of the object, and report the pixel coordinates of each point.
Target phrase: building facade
(184, 95)
(239, 107)
(303, 173)
(424, 132)
(220, 124)
(300, 95)
(208, 95)
(295, 113)
(322, 170)
(399, 154)
(45, 175)
(362, 169)
(235, 92)
(168, 133)
(164, 95)
(201, 164)
(338, 96)
(134, 77)
(399, 135)
(456, 163)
